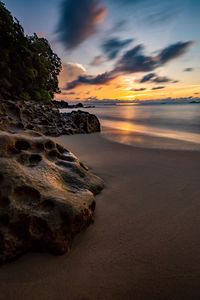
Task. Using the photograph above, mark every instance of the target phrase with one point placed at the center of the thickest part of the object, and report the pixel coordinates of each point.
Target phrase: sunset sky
(119, 49)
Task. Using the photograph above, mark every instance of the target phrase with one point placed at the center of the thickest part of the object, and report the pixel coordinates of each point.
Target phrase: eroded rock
(16, 116)
(83, 122)
(46, 195)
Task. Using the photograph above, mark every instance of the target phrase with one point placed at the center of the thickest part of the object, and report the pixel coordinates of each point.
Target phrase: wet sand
(145, 241)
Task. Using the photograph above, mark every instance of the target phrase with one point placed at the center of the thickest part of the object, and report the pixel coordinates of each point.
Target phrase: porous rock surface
(46, 195)
(16, 116)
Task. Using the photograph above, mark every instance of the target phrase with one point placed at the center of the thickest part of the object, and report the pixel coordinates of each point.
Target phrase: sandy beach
(144, 243)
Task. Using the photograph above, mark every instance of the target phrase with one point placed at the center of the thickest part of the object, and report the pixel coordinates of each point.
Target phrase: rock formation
(46, 193)
(45, 118)
(63, 104)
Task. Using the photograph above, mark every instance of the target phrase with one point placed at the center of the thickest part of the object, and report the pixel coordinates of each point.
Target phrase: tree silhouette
(29, 68)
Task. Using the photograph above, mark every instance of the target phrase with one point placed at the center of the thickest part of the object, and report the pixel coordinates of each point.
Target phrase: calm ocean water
(152, 126)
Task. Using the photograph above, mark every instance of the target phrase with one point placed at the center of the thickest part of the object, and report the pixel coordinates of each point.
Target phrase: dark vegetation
(29, 68)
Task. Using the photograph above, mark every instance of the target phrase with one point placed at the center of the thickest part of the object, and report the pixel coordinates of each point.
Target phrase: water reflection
(157, 126)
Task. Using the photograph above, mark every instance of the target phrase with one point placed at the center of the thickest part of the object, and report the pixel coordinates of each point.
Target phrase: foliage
(29, 68)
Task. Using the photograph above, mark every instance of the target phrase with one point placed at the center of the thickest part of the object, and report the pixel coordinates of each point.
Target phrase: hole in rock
(27, 194)
(49, 145)
(35, 159)
(53, 154)
(47, 204)
(68, 158)
(93, 206)
(39, 227)
(60, 148)
(39, 146)
(22, 145)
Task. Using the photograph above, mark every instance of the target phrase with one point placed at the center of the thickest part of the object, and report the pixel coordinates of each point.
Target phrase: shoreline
(156, 127)
(144, 242)
(147, 141)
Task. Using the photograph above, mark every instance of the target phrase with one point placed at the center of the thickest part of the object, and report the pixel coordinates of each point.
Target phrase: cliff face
(45, 118)
(46, 193)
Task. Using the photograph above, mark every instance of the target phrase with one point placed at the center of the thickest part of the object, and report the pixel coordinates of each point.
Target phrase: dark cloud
(158, 88)
(110, 48)
(173, 51)
(162, 79)
(138, 90)
(147, 78)
(100, 79)
(153, 77)
(113, 46)
(188, 69)
(135, 61)
(79, 20)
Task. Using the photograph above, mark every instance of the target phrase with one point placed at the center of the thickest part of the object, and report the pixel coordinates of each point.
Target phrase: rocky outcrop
(46, 193)
(84, 122)
(45, 119)
(63, 104)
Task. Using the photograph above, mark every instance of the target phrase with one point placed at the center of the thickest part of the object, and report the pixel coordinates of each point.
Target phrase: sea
(169, 126)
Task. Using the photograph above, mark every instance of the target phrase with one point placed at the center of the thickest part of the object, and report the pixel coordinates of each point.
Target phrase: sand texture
(144, 243)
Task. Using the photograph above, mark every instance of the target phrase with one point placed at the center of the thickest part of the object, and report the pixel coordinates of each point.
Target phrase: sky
(119, 49)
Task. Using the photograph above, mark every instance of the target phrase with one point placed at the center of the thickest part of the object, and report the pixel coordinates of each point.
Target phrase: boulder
(83, 122)
(46, 193)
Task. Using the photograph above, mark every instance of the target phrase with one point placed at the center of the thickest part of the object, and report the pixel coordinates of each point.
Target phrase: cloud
(100, 79)
(173, 51)
(70, 72)
(98, 60)
(188, 69)
(161, 79)
(138, 90)
(147, 78)
(158, 88)
(135, 61)
(79, 20)
(112, 47)
(153, 77)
